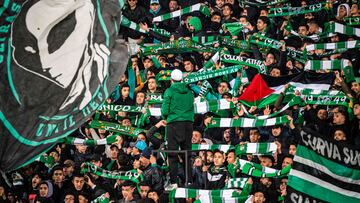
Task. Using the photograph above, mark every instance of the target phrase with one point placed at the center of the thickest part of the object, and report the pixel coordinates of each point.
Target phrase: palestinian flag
(265, 89)
(324, 170)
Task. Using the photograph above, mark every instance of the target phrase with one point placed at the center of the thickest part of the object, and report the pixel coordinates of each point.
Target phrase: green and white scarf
(101, 199)
(117, 108)
(265, 41)
(115, 127)
(161, 32)
(154, 98)
(212, 147)
(195, 77)
(246, 122)
(236, 183)
(212, 105)
(260, 3)
(130, 24)
(338, 45)
(131, 175)
(352, 20)
(212, 62)
(289, 11)
(257, 170)
(197, 7)
(234, 43)
(205, 40)
(176, 46)
(255, 148)
(334, 27)
(227, 58)
(77, 141)
(234, 28)
(296, 55)
(336, 64)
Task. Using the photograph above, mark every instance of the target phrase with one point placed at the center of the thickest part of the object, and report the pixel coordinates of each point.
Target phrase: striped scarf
(130, 24)
(131, 175)
(77, 141)
(115, 127)
(236, 183)
(176, 46)
(212, 147)
(289, 11)
(255, 148)
(336, 64)
(234, 43)
(212, 105)
(257, 170)
(246, 122)
(334, 27)
(352, 20)
(101, 199)
(195, 77)
(227, 58)
(338, 45)
(265, 41)
(197, 7)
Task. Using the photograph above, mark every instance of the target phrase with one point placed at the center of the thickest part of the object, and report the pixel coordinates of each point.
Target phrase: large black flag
(59, 60)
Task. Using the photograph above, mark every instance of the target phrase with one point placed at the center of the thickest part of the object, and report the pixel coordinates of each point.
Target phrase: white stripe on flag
(322, 183)
(325, 170)
(155, 111)
(248, 122)
(78, 141)
(310, 86)
(224, 104)
(225, 122)
(101, 142)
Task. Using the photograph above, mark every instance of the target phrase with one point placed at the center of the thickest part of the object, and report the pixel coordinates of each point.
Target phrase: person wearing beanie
(178, 110)
(195, 25)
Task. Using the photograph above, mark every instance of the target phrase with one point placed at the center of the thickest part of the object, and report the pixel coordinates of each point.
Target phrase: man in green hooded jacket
(178, 110)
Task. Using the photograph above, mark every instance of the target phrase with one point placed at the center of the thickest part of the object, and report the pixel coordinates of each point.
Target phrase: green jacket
(178, 103)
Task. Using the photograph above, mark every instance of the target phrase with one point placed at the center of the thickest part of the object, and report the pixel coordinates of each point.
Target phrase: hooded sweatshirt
(178, 104)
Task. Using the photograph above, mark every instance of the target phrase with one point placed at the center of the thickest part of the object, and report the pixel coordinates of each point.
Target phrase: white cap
(176, 75)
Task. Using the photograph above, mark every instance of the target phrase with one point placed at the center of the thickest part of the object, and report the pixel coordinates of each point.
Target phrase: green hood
(196, 23)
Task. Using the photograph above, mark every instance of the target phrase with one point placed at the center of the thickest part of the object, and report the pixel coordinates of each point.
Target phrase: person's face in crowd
(144, 162)
(35, 181)
(125, 91)
(292, 149)
(230, 2)
(339, 135)
(227, 135)
(334, 38)
(154, 7)
(222, 88)
(136, 164)
(265, 161)
(354, 11)
(196, 137)
(147, 63)
(220, 3)
(135, 151)
(227, 12)
(140, 98)
(126, 122)
(231, 158)
(287, 161)
(78, 183)
(243, 20)
(43, 190)
(227, 97)
(188, 66)
(141, 137)
(154, 196)
(58, 176)
(356, 110)
(55, 155)
(210, 157)
(198, 162)
(81, 148)
(244, 12)
(270, 59)
(259, 197)
(206, 55)
(264, 13)
(114, 152)
(275, 72)
(216, 18)
(313, 28)
(173, 6)
(309, 16)
(322, 114)
(69, 198)
(2, 191)
(355, 86)
(342, 12)
(218, 159)
(127, 192)
(303, 3)
(144, 191)
(283, 184)
(260, 25)
(303, 31)
(338, 119)
(254, 136)
(152, 84)
(150, 74)
(132, 3)
(276, 131)
(83, 199)
(97, 163)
